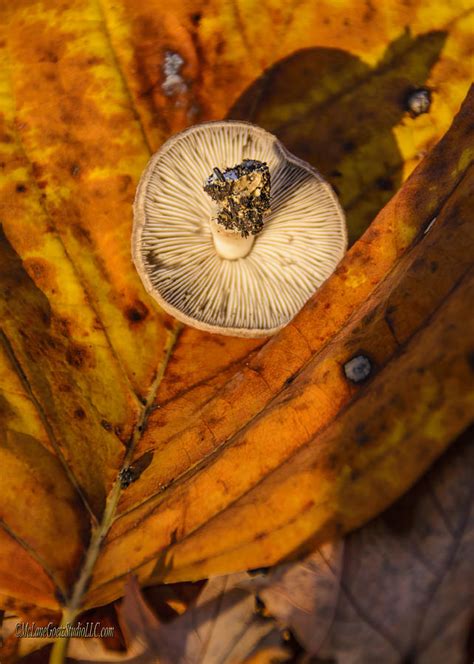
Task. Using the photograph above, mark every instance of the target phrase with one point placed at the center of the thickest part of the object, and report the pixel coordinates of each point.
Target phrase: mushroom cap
(302, 241)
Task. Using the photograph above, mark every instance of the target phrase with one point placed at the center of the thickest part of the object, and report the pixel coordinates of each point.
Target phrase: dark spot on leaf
(37, 169)
(137, 312)
(130, 474)
(332, 461)
(211, 421)
(94, 60)
(126, 477)
(50, 56)
(433, 266)
(75, 170)
(355, 475)
(37, 268)
(196, 18)
(76, 356)
(368, 318)
(384, 183)
(79, 413)
(20, 188)
(358, 368)
(82, 234)
(361, 435)
(418, 101)
(391, 309)
(106, 425)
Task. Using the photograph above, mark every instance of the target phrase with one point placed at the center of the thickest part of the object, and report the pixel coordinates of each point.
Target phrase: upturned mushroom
(232, 233)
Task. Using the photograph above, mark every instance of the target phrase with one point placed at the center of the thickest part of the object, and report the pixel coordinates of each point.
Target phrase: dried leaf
(304, 595)
(305, 472)
(242, 452)
(222, 628)
(403, 591)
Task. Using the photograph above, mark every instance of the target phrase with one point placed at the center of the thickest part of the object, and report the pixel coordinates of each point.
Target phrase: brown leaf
(222, 628)
(404, 588)
(304, 595)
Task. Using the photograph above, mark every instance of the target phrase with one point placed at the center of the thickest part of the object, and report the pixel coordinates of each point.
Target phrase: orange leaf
(239, 452)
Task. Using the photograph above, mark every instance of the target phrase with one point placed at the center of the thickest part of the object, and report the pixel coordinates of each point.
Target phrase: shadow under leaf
(333, 110)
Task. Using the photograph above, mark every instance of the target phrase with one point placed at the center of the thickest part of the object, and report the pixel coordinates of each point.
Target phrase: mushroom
(232, 233)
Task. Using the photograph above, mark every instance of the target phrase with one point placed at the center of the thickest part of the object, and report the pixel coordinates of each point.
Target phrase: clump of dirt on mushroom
(242, 193)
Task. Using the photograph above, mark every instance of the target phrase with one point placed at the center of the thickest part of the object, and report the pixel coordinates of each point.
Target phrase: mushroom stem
(242, 194)
(229, 243)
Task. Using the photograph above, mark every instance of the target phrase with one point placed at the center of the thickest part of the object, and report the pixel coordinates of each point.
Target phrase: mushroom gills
(208, 247)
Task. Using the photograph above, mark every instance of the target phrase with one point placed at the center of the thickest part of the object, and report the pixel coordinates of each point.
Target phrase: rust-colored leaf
(239, 452)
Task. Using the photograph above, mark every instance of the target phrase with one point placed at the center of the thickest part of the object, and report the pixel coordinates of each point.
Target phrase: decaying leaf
(295, 469)
(398, 589)
(404, 588)
(304, 595)
(222, 628)
(130, 444)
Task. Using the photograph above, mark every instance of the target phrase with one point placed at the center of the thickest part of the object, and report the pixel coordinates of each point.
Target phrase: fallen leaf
(222, 628)
(305, 472)
(240, 453)
(294, 99)
(304, 595)
(403, 590)
(331, 80)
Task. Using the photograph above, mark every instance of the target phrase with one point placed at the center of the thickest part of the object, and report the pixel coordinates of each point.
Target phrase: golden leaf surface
(242, 452)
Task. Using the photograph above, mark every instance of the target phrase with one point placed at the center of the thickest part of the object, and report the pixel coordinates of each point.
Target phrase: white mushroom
(222, 260)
